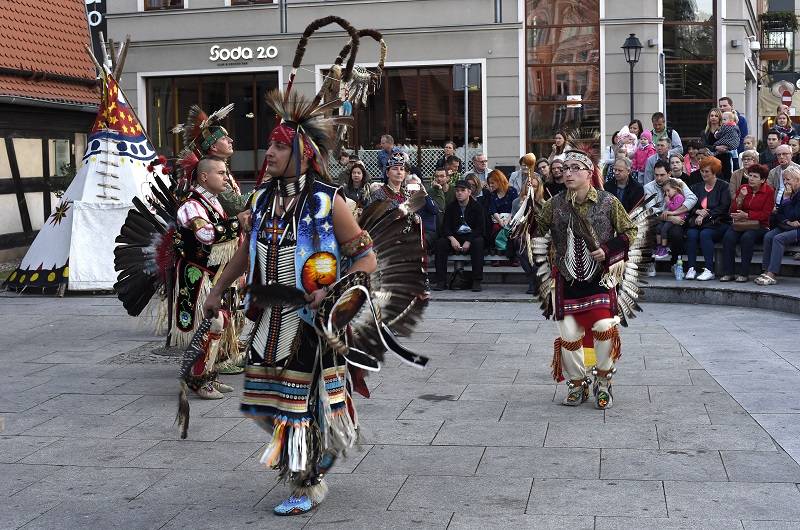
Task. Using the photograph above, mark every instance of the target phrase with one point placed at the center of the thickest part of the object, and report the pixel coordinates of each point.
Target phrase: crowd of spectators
(716, 189)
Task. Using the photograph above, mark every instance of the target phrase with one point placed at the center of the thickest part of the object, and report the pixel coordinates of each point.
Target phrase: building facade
(545, 65)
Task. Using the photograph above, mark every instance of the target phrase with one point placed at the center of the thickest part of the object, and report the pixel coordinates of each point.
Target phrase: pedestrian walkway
(703, 434)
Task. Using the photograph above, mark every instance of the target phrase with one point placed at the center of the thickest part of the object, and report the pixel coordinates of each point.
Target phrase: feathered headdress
(201, 131)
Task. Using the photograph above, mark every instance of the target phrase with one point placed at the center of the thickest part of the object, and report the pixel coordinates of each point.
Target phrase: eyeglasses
(573, 168)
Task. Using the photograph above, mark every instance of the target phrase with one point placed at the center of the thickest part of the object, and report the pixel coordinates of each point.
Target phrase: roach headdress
(201, 131)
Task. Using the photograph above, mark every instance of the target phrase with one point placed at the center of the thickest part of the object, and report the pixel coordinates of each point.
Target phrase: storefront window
(420, 109)
(169, 99)
(690, 61)
(563, 70)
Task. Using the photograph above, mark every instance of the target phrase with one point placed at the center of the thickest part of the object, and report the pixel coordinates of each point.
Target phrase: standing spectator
(453, 167)
(560, 146)
(627, 140)
(673, 194)
(636, 128)
(608, 170)
(626, 189)
(785, 224)
(556, 183)
(675, 235)
(783, 125)
(660, 130)
(767, 156)
(690, 161)
(387, 147)
(783, 153)
(709, 219)
(501, 195)
(356, 186)
(727, 138)
(449, 150)
(642, 154)
(480, 167)
(611, 150)
(394, 190)
(462, 233)
(726, 105)
(662, 153)
(739, 177)
(753, 204)
(442, 192)
(794, 143)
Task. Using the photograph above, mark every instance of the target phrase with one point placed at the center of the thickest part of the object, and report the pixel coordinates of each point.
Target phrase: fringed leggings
(568, 350)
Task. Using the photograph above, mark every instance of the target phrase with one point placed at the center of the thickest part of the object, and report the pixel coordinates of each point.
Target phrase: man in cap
(462, 233)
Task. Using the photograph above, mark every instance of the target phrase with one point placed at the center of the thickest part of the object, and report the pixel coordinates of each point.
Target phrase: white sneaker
(705, 276)
(691, 274)
(651, 270)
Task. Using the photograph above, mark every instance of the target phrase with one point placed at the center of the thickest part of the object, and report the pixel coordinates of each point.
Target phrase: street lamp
(632, 48)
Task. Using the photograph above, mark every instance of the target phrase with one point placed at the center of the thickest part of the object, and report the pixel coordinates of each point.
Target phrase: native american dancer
(322, 294)
(587, 248)
(208, 139)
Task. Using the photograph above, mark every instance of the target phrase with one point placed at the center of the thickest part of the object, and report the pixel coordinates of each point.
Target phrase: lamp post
(632, 48)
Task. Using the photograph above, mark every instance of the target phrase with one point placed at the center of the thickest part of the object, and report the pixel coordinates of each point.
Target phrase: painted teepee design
(75, 247)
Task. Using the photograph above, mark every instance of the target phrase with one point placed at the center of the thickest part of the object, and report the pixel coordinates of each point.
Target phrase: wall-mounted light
(735, 43)
(652, 43)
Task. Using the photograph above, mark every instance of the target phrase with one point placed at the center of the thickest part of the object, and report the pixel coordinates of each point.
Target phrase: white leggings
(572, 361)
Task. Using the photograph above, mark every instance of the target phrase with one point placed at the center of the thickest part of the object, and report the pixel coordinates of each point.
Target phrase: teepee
(75, 248)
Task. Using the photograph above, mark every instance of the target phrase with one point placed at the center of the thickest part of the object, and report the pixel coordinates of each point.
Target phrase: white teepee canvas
(76, 243)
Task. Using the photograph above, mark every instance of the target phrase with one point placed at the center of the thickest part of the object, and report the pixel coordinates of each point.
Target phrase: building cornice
(293, 37)
(630, 21)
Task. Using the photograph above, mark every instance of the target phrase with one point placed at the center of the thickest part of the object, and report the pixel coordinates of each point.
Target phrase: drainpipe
(283, 10)
(498, 11)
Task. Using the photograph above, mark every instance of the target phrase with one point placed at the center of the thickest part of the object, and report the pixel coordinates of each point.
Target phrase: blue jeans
(706, 237)
(747, 240)
(775, 245)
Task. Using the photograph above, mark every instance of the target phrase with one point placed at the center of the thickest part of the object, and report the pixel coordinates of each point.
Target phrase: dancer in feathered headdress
(311, 275)
(588, 251)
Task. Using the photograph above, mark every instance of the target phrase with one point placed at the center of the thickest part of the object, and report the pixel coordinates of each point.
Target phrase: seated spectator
(794, 143)
(749, 143)
(783, 153)
(449, 150)
(662, 153)
(482, 196)
(535, 186)
(356, 185)
(519, 176)
(675, 233)
(543, 169)
(627, 190)
(501, 195)
(442, 193)
(750, 211)
(785, 223)
(555, 184)
(690, 161)
(676, 167)
(462, 233)
(708, 220)
(428, 213)
(695, 177)
(739, 177)
(454, 167)
(767, 156)
(608, 169)
(673, 193)
(480, 167)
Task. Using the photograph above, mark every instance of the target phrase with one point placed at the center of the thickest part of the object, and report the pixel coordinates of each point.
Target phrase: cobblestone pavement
(701, 435)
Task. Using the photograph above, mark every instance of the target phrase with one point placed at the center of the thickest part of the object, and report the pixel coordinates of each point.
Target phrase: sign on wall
(96, 14)
(222, 54)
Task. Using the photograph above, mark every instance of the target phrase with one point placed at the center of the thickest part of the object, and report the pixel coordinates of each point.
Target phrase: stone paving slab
(698, 436)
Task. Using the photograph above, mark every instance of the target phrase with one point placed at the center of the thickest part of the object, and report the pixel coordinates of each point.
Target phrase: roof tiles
(46, 36)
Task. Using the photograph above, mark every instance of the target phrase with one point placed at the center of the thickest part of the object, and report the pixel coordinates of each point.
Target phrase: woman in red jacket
(752, 203)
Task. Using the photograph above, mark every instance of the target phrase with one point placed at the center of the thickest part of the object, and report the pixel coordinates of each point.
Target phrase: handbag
(746, 224)
(501, 241)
